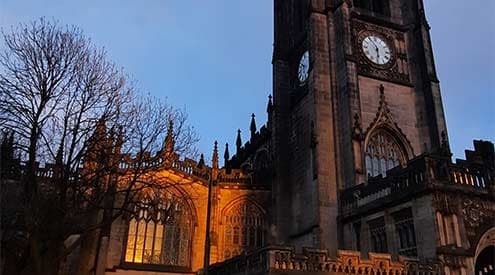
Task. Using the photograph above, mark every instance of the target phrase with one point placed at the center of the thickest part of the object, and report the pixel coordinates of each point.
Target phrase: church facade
(351, 174)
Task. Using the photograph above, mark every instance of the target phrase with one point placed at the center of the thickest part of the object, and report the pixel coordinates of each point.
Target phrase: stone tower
(347, 74)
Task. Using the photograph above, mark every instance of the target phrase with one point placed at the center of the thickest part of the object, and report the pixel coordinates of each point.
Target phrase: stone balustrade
(186, 166)
(426, 171)
(278, 260)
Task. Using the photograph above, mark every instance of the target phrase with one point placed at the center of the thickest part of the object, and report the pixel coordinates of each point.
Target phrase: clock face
(376, 50)
(303, 71)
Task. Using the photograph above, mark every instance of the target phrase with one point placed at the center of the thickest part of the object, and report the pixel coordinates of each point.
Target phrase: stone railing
(420, 173)
(186, 166)
(283, 260)
(469, 177)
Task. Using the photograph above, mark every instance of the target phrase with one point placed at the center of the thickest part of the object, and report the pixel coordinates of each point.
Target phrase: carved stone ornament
(357, 128)
(476, 213)
(397, 69)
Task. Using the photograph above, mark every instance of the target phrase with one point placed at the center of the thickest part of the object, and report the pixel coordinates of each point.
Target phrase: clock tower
(355, 95)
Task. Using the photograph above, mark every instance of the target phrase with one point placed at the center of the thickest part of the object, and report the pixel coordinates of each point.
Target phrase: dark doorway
(485, 262)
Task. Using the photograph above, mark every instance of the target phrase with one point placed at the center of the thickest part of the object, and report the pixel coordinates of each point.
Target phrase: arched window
(382, 154)
(160, 233)
(247, 222)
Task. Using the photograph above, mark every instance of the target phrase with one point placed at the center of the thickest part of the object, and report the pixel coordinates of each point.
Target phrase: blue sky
(213, 58)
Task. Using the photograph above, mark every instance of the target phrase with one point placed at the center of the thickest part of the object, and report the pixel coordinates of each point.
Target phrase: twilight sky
(213, 58)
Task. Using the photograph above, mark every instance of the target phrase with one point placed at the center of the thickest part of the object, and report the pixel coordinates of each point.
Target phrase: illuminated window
(247, 221)
(382, 154)
(160, 234)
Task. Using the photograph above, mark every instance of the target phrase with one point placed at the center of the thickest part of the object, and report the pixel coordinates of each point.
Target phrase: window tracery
(160, 233)
(382, 154)
(406, 236)
(243, 229)
(378, 235)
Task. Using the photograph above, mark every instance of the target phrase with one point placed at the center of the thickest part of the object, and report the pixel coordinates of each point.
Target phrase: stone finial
(100, 131)
(253, 126)
(201, 162)
(60, 154)
(269, 107)
(59, 164)
(269, 110)
(169, 144)
(119, 142)
(238, 141)
(226, 157)
(214, 159)
(98, 142)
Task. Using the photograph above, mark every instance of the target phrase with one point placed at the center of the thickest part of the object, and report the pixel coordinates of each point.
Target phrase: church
(351, 174)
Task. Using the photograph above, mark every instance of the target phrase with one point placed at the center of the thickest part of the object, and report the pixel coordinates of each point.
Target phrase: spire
(238, 142)
(60, 154)
(201, 162)
(226, 157)
(214, 159)
(169, 139)
(119, 141)
(100, 129)
(214, 162)
(7, 153)
(98, 141)
(253, 126)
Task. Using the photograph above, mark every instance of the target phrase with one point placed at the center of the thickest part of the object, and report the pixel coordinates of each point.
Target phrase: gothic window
(159, 233)
(406, 235)
(378, 235)
(382, 154)
(378, 6)
(247, 223)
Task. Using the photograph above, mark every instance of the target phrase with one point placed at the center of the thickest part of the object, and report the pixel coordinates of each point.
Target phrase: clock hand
(376, 46)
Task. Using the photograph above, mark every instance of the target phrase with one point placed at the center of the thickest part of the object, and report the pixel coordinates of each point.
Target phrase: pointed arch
(243, 223)
(385, 144)
(485, 251)
(160, 229)
(385, 149)
(240, 199)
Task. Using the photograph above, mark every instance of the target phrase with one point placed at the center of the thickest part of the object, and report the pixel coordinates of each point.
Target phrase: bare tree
(75, 112)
